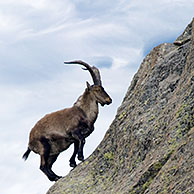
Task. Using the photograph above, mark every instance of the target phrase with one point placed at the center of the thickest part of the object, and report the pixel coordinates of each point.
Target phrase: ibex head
(97, 90)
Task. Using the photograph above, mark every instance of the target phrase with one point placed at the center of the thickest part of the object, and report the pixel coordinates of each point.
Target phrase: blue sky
(36, 36)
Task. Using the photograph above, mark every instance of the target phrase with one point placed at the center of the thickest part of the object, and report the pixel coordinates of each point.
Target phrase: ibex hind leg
(47, 161)
(51, 160)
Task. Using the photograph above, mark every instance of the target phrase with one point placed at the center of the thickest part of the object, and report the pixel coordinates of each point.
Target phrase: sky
(37, 36)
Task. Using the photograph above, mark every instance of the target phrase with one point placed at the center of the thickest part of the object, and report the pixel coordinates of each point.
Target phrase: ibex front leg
(72, 159)
(80, 138)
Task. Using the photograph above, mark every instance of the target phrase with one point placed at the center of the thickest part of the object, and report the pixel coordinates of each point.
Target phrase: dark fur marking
(26, 154)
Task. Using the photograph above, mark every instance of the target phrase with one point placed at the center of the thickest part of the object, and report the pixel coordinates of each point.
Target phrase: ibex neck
(89, 105)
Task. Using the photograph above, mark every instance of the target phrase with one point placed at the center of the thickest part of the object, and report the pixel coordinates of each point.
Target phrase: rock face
(149, 147)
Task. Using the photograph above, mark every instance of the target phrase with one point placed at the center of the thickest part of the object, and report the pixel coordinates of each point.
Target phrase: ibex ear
(88, 86)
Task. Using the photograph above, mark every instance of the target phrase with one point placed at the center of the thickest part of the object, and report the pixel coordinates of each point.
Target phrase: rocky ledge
(149, 145)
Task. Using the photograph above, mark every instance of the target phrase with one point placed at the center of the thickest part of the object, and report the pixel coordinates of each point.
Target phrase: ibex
(56, 131)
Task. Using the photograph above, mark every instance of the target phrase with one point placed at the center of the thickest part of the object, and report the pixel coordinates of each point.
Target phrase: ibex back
(56, 131)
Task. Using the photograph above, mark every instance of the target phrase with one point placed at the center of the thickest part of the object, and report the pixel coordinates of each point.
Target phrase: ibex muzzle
(101, 95)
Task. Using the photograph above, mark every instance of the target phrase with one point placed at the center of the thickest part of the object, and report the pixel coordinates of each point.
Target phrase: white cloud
(24, 19)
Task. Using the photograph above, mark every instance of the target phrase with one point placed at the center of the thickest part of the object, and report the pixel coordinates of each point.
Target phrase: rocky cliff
(149, 147)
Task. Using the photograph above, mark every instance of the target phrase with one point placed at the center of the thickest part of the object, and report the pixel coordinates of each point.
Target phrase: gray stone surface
(149, 145)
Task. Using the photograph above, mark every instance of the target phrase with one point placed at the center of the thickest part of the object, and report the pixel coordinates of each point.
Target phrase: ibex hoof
(57, 178)
(81, 158)
(54, 178)
(73, 165)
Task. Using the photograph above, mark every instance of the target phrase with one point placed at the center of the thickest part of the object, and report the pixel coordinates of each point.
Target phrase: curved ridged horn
(93, 71)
